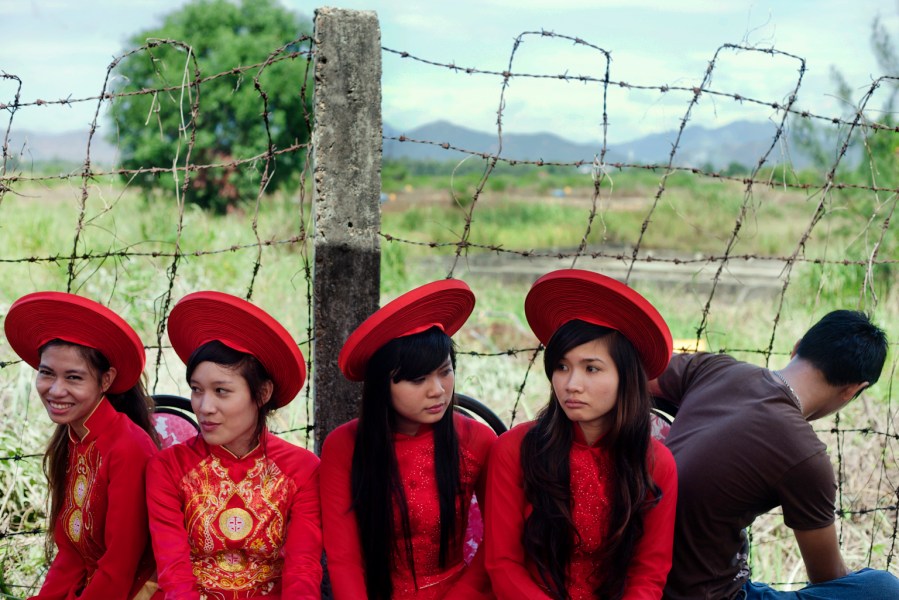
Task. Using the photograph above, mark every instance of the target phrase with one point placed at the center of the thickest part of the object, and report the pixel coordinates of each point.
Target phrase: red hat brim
(37, 318)
(569, 294)
(446, 304)
(202, 317)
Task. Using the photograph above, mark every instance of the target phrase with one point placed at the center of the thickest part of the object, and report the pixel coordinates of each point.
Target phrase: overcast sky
(61, 48)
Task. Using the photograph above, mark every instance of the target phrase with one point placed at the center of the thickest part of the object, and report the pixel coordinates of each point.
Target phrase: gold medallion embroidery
(237, 528)
(77, 516)
(79, 490)
(75, 526)
(235, 523)
(231, 561)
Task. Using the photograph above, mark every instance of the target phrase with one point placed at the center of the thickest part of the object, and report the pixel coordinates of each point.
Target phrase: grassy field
(526, 220)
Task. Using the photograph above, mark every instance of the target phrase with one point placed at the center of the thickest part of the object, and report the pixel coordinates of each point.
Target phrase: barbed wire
(661, 88)
(185, 168)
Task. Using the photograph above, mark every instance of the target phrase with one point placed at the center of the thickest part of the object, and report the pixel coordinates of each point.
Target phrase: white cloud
(594, 6)
(59, 48)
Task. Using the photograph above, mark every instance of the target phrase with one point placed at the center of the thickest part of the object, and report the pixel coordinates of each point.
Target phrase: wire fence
(739, 262)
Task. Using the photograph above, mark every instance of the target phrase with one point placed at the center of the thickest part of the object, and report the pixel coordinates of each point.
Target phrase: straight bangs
(570, 335)
(379, 502)
(419, 354)
(633, 402)
(245, 365)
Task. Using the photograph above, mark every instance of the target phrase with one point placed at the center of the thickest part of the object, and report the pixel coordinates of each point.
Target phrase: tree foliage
(201, 54)
(872, 161)
(872, 156)
(882, 146)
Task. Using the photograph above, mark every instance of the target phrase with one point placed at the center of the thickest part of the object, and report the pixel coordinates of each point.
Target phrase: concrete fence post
(346, 142)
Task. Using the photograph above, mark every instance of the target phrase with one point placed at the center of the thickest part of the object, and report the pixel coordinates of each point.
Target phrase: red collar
(581, 441)
(227, 456)
(97, 422)
(424, 430)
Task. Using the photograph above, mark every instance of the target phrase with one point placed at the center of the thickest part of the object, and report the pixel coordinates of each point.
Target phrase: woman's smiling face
(69, 386)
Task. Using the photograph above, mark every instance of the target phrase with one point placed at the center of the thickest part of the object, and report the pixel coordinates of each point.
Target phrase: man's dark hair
(846, 347)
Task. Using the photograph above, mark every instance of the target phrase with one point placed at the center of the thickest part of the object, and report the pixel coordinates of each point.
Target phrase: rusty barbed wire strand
(701, 259)
(825, 191)
(302, 239)
(239, 70)
(598, 162)
(160, 170)
(5, 147)
(304, 225)
(474, 353)
(519, 393)
(868, 284)
(165, 300)
(700, 330)
(892, 551)
(82, 261)
(270, 155)
(767, 182)
(662, 89)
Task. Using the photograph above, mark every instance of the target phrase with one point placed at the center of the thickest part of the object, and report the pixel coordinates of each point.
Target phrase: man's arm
(821, 553)
(675, 381)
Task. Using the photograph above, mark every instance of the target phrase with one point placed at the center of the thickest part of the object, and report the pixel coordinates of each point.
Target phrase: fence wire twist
(85, 264)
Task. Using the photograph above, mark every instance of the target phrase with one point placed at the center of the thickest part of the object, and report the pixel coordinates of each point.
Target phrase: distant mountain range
(742, 142)
(65, 147)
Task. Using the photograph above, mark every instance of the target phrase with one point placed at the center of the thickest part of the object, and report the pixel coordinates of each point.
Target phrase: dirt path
(740, 279)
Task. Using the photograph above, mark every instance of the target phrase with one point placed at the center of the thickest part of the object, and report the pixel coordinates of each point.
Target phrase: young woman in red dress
(581, 501)
(234, 513)
(89, 364)
(397, 482)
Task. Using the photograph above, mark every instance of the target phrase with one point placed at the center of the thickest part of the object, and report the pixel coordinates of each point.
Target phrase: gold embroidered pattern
(236, 529)
(231, 561)
(235, 523)
(73, 527)
(76, 516)
(79, 490)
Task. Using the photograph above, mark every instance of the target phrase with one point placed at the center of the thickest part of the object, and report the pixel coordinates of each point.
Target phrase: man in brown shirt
(744, 445)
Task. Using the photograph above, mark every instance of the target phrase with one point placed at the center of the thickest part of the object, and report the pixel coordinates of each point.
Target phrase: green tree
(881, 161)
(212, 42)
(872, 150)
(871, 161)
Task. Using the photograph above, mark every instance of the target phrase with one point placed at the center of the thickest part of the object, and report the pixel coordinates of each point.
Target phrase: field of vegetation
(522, 219)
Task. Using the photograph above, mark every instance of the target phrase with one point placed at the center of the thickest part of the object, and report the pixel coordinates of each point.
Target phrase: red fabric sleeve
(302, 550)
(169, 534)
(66, 574)
(504, 520)
(475, 582)
(652, 557)
(125, 532)
(341, 535)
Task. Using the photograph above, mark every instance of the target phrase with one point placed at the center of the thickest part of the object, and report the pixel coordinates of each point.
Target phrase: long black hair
(134, 402)
(549, 532)
(375, 479)
(245, 365)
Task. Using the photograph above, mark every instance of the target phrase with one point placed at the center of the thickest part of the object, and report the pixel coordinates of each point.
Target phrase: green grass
(518, 212)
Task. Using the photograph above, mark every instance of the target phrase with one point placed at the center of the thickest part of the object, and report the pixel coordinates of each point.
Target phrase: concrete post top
(327, 11)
